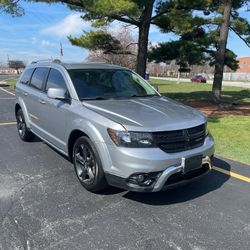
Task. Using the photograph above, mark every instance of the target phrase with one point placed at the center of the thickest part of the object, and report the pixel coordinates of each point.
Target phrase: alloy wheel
(21, 127)
(85, 163)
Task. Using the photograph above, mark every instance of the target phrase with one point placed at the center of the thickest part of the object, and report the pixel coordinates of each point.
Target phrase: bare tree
(16, 64)
(126, 59)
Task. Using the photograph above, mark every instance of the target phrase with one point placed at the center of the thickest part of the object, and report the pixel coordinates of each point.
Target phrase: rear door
(53, 116)
(33, 97)
(22, 88)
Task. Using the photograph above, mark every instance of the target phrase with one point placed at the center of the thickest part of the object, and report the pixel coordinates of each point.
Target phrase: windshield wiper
(144, 95)
(94, 98)
(114, 97)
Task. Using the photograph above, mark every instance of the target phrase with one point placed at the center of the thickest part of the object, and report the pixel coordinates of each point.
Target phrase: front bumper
(171, 177)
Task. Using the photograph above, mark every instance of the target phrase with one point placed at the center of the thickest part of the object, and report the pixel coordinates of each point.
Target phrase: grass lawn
(201, 92)
(231, 133)
(232, 136)
(12, 83)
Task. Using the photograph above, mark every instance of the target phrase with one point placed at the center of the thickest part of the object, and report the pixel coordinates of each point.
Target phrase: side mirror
(56, 93)
(155, 86)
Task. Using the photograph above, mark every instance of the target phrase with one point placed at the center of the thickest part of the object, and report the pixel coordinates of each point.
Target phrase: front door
(53, 116)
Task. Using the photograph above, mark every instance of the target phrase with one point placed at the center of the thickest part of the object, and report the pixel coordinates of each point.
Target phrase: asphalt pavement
(43, 206)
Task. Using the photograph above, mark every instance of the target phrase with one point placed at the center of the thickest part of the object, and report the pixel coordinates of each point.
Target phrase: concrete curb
(232, 161)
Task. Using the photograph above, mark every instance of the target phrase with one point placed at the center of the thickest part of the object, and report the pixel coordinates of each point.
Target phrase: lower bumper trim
(170, 178)
(120, 182)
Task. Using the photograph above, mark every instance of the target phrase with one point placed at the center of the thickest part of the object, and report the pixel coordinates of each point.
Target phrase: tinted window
(38, 78)
(55, 80)
(26, 76)
(105, 83)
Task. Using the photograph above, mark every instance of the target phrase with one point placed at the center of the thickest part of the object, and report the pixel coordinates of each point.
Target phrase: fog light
(144, 179)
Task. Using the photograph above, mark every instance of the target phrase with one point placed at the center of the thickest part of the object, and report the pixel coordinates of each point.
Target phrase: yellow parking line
(230, 173)
(4, 90)
(7, 123)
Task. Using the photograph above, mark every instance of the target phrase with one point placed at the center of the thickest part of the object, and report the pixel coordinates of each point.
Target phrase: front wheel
(88, 165)
(24, 133)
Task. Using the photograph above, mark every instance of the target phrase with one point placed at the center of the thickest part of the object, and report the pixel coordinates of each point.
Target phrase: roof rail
(98, 62)
(47, 60)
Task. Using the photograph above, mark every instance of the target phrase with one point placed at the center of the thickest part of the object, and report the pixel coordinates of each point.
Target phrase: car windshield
(99, 84)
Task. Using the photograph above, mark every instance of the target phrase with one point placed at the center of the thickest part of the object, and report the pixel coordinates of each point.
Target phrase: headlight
(131, 139)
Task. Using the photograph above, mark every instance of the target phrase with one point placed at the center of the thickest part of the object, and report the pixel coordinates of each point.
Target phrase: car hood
(148, 113)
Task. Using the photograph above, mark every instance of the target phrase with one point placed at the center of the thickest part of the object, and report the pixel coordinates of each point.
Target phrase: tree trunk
(144, 27)
(221, 51)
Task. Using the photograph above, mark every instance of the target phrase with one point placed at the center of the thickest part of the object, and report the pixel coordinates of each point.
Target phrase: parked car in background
(199, 78)
(113, 125)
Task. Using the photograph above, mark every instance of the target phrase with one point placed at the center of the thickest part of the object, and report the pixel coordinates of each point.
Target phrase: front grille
(180, 140)
(179, 177)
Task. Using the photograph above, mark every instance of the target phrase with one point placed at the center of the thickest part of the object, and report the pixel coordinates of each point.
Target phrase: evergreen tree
(203, 27)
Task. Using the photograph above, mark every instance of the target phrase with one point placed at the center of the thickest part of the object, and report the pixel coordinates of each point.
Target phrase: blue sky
(37, 34)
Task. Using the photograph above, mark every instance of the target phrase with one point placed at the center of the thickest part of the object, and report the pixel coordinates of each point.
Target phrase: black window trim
(46, 81)
(33, 70)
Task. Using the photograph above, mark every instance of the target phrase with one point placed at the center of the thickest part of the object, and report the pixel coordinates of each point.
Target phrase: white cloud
(36, 54)
(11, 41)
(153, 29)
(72, 24)
(45, 43)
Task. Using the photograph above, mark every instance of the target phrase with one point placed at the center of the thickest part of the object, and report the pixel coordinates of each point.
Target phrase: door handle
(42, 101)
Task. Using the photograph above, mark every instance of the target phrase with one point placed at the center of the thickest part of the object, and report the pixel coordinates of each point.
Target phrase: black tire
(88, 166)
(24, 133)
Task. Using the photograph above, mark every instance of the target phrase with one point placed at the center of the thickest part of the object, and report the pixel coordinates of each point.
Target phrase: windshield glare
(105, 83)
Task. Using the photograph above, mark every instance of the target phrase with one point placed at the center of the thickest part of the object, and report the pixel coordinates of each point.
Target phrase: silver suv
(113, 125)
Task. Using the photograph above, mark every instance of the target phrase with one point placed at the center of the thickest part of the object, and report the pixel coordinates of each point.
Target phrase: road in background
(224, 83)
(6, 77)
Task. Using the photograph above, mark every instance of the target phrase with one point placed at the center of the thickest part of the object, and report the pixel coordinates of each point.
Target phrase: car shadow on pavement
(212, 181)
(36, 139)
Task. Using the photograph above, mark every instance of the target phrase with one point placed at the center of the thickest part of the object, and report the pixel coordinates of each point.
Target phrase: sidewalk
(225, 83)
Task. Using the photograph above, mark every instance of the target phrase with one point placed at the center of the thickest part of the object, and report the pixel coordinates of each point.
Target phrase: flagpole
(61, 51)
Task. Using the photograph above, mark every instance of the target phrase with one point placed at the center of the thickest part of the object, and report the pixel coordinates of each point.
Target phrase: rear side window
(26, 76)
(38, 78)
(55, 80)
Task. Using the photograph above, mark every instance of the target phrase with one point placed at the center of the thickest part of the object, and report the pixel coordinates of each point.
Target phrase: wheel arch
(17, 107)
(74, 135)
(19, 104)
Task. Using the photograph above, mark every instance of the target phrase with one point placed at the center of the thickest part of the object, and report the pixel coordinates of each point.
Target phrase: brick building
(244, 65)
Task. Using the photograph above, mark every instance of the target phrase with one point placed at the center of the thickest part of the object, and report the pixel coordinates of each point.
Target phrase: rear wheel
(24, 133)
(88, 165)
